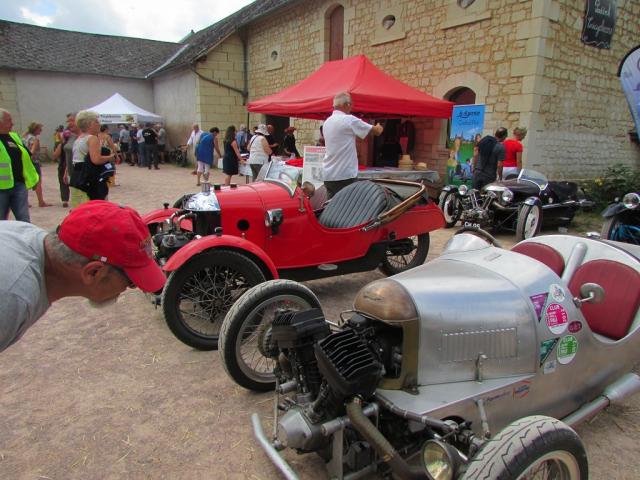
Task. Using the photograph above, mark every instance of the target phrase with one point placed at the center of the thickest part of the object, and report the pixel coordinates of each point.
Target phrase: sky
(166, 20)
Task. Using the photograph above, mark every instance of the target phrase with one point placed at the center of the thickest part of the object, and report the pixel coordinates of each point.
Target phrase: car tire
(451, 208)
(229, 272)
(393, 264)
(527, 444)
(240, 329)
(529, 221)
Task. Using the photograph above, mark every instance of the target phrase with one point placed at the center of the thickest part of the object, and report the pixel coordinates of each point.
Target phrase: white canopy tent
(117, 109)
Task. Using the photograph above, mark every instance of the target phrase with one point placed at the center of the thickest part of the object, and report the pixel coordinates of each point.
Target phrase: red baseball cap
(116, 235)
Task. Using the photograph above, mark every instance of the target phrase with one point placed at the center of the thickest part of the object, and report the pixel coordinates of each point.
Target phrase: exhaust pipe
(614, 394)
(389, 455)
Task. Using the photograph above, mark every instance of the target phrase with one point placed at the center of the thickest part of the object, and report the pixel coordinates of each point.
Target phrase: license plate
(471, 224)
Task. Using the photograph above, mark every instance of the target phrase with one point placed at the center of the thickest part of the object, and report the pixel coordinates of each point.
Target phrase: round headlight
(438, 460)
(631, 200)
(507, 196)
(463, 189)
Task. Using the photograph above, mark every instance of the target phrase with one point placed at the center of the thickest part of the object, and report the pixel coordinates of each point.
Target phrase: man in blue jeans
(17, 173)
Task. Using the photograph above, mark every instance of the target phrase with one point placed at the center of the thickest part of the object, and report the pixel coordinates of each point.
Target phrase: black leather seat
(354, 205)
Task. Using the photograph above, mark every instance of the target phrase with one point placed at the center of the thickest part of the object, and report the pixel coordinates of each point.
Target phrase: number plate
(472, 224)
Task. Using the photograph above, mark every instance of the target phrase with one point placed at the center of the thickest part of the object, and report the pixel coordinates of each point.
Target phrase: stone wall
(523, 59)
(584, 118)
(216, 104)
(9, 97)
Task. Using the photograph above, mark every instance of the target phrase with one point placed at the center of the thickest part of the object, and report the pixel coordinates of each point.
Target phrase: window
(336, 33)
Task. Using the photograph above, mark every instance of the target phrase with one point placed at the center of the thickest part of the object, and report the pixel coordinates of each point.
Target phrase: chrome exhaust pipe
(279, 462)
(614, 394)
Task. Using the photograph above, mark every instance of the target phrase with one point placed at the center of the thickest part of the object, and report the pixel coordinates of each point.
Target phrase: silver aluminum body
(478, 302)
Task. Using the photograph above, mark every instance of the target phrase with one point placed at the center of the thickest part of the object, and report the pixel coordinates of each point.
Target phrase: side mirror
(589, 293)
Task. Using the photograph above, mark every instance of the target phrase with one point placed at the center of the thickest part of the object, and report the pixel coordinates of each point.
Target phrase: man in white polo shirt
(340, 164)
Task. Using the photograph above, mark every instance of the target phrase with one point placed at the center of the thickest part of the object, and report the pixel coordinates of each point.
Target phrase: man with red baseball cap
(98, 251)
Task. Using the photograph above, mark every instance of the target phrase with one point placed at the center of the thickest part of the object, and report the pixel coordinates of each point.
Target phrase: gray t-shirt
(162, 136)
(23, 293)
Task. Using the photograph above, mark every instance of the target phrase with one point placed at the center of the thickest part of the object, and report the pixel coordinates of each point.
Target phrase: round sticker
(575, 327)
(567, 349)
(556, 318)
(557, 292)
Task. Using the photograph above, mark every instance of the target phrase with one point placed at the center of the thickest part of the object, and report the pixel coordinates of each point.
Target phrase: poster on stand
(467, 123)
(312, 166)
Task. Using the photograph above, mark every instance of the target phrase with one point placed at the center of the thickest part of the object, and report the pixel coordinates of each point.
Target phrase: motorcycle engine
(477, 217)
(322, 370)
(202, 209)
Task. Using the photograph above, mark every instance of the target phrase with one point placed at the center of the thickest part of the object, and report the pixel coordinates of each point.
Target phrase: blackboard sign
(599, 23)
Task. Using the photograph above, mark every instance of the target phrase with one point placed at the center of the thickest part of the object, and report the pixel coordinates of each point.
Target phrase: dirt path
(101, 394)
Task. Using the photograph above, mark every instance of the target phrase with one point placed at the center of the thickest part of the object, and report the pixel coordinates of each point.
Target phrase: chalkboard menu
(599, 23)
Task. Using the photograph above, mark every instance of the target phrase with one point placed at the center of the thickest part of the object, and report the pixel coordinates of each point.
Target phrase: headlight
(273, 218)
(438, 460)
(631, 200)
(463, 189)
(507, 196)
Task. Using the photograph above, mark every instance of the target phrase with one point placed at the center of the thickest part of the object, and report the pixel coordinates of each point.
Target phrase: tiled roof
(201, 41)
(28, 47)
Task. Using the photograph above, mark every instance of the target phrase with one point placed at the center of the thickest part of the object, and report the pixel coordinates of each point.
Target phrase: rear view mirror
(590, 293)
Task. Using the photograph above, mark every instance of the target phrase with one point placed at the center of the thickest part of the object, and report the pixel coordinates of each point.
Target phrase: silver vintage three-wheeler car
(475, 365)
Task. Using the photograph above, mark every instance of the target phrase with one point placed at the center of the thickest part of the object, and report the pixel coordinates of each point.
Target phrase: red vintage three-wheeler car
(216, 244)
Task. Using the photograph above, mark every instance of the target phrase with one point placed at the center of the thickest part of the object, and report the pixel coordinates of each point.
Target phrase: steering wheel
(482, 234)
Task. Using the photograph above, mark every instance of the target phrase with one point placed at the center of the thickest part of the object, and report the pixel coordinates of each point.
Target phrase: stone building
(523, 59)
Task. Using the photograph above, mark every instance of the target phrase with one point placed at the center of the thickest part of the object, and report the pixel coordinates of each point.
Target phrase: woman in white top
(87, 148)
(259, 150)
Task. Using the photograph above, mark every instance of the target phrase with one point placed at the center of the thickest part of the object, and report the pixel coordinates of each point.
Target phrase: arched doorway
(462, 96)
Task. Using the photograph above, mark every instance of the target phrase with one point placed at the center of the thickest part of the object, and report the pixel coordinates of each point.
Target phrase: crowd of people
(240, 149)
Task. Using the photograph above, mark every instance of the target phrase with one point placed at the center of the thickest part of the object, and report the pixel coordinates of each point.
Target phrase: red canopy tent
(373, 92)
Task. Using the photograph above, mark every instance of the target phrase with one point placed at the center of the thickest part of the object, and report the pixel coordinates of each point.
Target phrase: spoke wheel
(451, 207)
(529, 221)
(247, 353)
(412, 255)
(200, 293)
(531, 448)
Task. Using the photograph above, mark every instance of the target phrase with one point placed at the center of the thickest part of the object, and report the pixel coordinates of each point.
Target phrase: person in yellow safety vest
(17, 173)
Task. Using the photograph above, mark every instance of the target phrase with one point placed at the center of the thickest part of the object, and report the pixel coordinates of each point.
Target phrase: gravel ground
(101, 394)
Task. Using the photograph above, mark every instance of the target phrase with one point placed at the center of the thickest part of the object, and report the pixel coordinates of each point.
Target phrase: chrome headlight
(463, 189)
(631, 200)
(273, 218)
(507, 196)
(440, 460)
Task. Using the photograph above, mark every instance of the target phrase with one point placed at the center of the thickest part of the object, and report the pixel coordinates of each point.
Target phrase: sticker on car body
(556, 318)
(567, 349)
(575, 326)
(522, 390)
(546, 347)
(557, 292)
(539, 301)
(549, 367)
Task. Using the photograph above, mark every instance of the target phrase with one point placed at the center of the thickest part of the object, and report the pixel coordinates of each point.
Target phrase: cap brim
(148, 278)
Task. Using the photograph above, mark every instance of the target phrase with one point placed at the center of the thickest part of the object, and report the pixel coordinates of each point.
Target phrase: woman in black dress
(231, 159)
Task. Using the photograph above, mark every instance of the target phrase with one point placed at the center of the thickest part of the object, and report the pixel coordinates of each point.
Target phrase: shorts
(203, 167)
(161, 147)
(38, 168)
